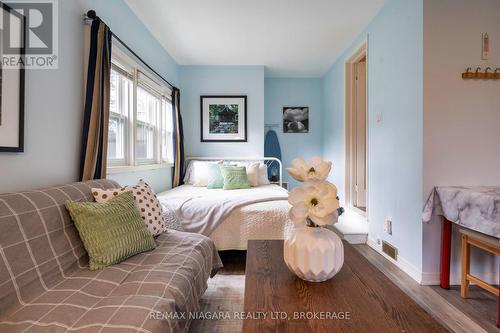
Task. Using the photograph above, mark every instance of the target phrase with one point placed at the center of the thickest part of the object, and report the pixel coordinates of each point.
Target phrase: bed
(230, 217)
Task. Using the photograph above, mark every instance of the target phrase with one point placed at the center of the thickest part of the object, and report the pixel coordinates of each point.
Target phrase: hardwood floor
(481, 306)
(477, 314)
(441, 308)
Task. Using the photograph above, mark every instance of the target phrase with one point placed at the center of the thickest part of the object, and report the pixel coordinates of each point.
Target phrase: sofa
(46, 286)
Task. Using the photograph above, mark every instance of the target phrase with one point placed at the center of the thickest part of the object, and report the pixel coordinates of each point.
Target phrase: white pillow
(253, 174)
(189, 177)
(263, 180)
(200, 173)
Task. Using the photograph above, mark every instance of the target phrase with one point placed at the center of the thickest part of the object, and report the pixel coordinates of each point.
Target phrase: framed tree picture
(223, 118)
(13, 34)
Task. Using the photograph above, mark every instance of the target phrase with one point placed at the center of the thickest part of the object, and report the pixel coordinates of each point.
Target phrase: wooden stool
(487, 243)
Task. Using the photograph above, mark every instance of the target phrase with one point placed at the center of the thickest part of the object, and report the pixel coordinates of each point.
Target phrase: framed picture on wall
(296, 119)
(13, 34)
(223, 118)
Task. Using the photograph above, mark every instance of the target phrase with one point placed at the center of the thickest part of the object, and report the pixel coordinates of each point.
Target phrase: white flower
(315, 200)
(316, 169)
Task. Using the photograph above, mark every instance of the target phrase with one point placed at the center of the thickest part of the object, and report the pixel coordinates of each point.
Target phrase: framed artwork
(223, 118)
(13, 34)
(296, 119)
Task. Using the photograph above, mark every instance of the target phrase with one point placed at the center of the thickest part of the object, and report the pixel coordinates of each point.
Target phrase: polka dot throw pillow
(146, 201)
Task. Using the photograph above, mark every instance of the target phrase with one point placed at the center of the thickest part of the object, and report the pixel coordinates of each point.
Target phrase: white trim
(430, 278)
(360, 51)
(355, 238)
(132, 168)
(129, 63)
(122, 60)
(358, 211)
(433, 278)
(401, 263)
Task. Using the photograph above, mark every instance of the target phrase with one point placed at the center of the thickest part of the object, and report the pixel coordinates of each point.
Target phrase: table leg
(445, 254)
(464, 286)
(498, 317)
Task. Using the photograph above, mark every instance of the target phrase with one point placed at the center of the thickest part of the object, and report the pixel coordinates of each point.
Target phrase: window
(141, 119)
(148, 107)
(119, 111)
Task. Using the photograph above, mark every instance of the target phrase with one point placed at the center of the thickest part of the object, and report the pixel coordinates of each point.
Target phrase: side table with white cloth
(475, 208)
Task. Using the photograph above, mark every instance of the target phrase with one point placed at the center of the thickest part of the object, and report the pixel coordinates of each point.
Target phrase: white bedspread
(201, 210)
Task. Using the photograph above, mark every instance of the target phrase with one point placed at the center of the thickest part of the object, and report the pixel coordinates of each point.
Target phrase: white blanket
(201, 210)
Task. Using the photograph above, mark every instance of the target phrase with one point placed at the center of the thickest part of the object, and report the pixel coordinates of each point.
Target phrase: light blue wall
(333, 125)
(54, 99)
(132, 31)
(160, 179)
(223, 80)
(395, 84)
(295, 92)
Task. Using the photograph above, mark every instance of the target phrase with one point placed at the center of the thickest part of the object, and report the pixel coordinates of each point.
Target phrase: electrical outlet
(380, 117)
(388, 226)
(378, 241)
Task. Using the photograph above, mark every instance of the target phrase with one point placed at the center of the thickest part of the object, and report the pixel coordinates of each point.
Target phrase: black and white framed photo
(223, 118)
(13, 32)
(295, 119)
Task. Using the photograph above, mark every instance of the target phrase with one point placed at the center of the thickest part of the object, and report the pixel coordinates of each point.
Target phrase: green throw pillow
(215, 179)
(111, 232)
(234, 177)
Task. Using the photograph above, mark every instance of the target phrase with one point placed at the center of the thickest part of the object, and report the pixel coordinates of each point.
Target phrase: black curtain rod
(91, 14)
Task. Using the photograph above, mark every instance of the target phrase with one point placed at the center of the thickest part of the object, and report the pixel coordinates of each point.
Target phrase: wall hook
(478, 73)
(488, 74)
(468, 74)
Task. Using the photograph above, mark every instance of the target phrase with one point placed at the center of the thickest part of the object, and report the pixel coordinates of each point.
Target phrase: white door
(360, 136)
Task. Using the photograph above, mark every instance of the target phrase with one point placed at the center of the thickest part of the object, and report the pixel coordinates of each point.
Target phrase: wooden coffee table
(359, 298)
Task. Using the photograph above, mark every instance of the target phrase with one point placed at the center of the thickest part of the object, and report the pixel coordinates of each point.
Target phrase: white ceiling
(292, 38)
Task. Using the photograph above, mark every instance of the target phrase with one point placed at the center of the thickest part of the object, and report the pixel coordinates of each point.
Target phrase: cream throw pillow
(253, 174)
(145, 200)
(263, 180)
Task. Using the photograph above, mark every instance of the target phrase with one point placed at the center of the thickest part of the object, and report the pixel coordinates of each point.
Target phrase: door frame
(359, 53)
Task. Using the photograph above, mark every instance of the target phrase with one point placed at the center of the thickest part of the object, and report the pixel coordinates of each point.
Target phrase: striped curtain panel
(93, 154)
(177, 174)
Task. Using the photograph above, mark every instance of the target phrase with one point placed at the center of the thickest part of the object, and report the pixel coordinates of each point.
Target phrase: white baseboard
(430, 278)
(401, 263)
(356, 239)
(433, 278)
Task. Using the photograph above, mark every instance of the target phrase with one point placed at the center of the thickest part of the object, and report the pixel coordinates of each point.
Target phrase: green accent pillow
(234, 177)
(111, 232)
(215, 179)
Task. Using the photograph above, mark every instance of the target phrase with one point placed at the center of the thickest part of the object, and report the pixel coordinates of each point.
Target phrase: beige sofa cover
(45, 285)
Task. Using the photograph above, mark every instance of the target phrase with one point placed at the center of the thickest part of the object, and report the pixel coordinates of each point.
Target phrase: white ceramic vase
(314, 254)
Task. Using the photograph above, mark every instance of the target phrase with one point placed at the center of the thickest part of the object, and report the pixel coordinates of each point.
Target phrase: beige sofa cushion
(131, 296)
